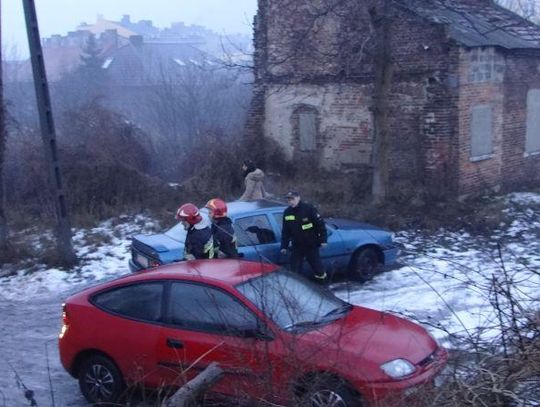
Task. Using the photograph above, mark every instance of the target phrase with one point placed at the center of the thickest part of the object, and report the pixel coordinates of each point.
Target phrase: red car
(277, 336)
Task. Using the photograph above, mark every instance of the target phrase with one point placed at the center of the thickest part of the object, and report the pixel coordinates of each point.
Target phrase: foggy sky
(61, 16)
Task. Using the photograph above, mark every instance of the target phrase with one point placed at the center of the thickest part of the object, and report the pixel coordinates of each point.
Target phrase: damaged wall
(315, 69)
(343, 127)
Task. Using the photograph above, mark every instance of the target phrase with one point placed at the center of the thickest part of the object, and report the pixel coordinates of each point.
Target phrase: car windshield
(178, 233)
(293, 302)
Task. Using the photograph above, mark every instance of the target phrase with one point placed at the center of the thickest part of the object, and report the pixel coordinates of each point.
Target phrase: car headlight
(398, 368)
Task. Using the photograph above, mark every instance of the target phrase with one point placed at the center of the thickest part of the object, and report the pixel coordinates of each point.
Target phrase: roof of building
(103, 25)
(476, 23)
(141, 62)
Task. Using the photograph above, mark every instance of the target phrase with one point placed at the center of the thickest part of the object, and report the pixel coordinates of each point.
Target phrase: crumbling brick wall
(323, 60)
(326, 62)
(522, 74)
(481, 76)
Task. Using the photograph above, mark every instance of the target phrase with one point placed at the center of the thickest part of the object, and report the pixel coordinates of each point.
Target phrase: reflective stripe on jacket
(224, 238)
(302, 226)
(199, 244)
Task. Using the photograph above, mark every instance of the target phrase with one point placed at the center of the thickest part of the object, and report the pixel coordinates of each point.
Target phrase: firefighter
(305, 231)
(199, 243)
(222, 229)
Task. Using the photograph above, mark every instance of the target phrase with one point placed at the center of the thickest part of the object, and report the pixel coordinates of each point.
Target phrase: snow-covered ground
(446, 280)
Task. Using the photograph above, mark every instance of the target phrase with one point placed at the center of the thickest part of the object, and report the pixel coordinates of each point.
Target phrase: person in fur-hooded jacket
(253, 178)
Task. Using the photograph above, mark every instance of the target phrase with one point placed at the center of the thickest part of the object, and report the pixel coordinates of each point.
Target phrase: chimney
(136, 40)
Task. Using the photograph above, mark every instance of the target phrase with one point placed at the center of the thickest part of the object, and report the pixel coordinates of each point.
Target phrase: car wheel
(365, 264)
(330, 393)
(100, 380)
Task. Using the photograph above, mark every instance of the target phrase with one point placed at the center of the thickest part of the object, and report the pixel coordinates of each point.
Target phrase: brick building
(464, 99)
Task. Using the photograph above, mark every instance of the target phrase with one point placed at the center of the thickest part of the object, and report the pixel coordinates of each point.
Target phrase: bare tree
(182, 104)
(530, 9)
(383, 82)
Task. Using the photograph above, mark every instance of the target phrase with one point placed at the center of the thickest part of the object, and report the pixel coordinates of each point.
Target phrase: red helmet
(189, 213)
(218, 208)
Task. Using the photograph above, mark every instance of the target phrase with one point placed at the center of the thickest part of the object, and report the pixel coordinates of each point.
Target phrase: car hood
(159, 243)
(348, 224)
(370, 338)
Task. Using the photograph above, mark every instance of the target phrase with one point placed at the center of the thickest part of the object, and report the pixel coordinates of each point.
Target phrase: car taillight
(65, 321)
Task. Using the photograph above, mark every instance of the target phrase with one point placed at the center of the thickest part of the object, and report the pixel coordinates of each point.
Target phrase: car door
(130, 328)
(206, 324)
(256, 238)
(333, 255)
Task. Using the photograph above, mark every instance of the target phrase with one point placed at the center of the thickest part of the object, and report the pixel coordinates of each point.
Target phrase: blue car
(359, 249)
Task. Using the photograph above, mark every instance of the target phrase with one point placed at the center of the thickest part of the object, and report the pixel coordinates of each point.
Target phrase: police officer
(199, 243)
(305, 230)
(222, 229)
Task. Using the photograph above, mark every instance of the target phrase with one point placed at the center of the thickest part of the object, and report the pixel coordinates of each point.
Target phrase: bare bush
(496, 364)
(105, 159)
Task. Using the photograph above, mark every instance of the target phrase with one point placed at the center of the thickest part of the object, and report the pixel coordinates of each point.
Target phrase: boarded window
(481, 131)
(532, 141)
(307, 127)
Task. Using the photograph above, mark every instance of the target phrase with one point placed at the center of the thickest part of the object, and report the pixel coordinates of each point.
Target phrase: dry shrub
(14, 252)
(494, 380)
(213, 167)
(96, 134)
(216, 163)
(104, 161)
(29, 255)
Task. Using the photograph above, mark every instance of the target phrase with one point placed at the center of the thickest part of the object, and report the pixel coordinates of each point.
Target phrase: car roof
(241, 207)
(223, 271)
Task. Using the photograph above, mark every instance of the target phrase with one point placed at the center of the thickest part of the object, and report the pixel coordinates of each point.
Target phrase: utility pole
(3, 142)
(48, 135)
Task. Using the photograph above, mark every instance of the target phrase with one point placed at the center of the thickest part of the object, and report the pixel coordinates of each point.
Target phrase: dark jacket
(199, 243)
(224, 237)
(303, 227)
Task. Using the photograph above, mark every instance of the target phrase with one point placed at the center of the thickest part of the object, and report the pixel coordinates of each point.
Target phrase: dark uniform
(199, 243)
(304, 228)
(224, 237)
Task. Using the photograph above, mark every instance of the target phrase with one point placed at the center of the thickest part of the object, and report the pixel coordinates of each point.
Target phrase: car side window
(253, 230)
(278, 217)
(203, 308)
(138, 301)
